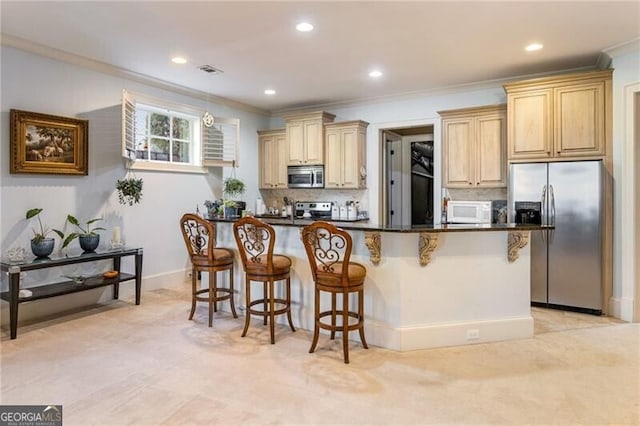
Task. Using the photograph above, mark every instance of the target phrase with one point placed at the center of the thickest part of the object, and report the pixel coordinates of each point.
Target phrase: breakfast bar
(426, 286)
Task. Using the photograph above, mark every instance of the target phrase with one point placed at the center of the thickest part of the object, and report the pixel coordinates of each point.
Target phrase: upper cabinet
(474, 147)
(562, 117)
(305, 137)
(273, 158)
(346, 154)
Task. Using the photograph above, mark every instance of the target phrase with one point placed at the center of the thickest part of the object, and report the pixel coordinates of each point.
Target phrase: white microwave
(469, 211)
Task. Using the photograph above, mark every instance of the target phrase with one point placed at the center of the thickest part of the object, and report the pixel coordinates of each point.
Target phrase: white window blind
(128, 125)
(217, 144)
(220, 142)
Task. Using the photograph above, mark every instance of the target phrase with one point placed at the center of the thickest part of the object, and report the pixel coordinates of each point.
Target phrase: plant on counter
(213, 207)
(129, 190)
(88, 236)
(41, 246)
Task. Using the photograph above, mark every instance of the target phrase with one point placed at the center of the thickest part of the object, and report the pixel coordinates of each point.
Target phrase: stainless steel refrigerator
(566, 262)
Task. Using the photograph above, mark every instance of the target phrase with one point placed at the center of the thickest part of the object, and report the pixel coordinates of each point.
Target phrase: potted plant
(41, 246)
(88, 237)
(129, 190)
(232, 188)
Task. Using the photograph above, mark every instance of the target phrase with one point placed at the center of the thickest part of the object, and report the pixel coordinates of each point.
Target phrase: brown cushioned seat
(355, 274)
(281, 264)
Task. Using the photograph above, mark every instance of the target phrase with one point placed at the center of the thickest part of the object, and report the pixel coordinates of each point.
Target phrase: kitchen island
(427, 286)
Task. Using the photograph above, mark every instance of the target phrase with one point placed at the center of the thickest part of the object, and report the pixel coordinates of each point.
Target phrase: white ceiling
(420, 46)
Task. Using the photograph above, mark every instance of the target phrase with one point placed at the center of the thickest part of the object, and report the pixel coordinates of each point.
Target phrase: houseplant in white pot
(41, 246)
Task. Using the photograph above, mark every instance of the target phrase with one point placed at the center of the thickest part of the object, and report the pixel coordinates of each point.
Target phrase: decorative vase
(89, 243)
(42, 248)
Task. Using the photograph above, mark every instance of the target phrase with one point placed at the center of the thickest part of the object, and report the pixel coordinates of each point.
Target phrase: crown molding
(105, 68)
(623, 48)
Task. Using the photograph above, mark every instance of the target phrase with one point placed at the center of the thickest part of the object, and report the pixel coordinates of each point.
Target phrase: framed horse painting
(48, 144)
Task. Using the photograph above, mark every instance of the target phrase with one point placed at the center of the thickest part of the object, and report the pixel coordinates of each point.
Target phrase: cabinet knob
(470, 183)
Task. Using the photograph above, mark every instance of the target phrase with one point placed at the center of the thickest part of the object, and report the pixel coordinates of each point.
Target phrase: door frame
(630, 205)
(377, 129)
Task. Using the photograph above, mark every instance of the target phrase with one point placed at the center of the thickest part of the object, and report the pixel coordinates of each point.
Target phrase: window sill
(167, 167)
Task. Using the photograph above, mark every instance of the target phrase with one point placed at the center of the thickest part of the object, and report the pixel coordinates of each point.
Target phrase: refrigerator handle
(553, 206)
(543, 205)
(553, 213)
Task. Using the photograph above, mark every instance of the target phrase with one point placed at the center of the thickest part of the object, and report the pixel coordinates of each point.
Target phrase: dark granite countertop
(367, 226)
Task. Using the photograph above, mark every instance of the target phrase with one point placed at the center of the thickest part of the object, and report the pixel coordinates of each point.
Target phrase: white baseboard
(448, 334)
(621, 308)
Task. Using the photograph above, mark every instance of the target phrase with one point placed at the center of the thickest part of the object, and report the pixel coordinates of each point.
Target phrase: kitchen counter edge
(365, 226)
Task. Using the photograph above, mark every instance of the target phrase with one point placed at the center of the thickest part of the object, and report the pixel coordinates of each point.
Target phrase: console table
(14, 268)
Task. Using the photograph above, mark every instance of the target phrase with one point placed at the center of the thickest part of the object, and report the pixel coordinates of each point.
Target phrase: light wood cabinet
(474, 147)
(346, 154)
(305, 137)
(272, 153)
(559, 117)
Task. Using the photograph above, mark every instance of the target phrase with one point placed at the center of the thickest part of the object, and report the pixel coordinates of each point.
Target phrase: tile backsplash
(275, 197)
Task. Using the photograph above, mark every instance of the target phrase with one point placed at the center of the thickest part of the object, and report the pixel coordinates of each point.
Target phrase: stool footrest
(266, 313)
(350, 327)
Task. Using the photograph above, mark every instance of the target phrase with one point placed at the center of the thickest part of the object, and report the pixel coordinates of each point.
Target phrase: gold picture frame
(48, 144)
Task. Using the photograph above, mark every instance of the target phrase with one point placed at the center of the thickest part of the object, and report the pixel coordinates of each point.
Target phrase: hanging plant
(233, 187)
(129, 190)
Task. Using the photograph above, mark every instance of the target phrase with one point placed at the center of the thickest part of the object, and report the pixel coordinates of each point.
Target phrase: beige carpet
(125, 364)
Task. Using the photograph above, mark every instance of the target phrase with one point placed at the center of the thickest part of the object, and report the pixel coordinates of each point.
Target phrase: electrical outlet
(473, 334)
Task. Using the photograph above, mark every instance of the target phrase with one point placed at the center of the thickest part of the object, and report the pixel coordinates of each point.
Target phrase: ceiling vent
(209, 69)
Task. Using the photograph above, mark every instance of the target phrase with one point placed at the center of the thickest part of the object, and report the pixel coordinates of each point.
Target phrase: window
(163, 136)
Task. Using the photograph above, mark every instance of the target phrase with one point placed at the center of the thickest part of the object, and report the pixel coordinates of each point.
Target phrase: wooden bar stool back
(256, 240)
(199, 237)
(329, 251)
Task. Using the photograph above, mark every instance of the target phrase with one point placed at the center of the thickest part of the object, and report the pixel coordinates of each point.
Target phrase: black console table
(14, 268)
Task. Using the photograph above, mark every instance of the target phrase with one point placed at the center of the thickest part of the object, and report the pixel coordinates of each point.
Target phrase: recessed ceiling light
(269, 92)
(178, 60)
(533, 47)
(304, 27)
(375, 74)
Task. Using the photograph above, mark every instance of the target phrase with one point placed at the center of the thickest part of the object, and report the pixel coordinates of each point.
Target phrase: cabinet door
(332, 169)
(458, 138)
(314, 142)
(350, 158)
(530, 124)
(267, 145)
(279, 174)
(579, 120)
(490, 151)
(295, 142)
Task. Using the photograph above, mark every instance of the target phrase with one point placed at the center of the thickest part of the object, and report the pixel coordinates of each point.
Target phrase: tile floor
(121, 364)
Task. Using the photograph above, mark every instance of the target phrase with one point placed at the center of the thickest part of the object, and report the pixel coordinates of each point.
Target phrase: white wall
(35, 83)
(625, 258)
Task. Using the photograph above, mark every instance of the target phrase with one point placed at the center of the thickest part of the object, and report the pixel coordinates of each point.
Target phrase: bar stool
(199, 237)
(256, 240)
(329, 250)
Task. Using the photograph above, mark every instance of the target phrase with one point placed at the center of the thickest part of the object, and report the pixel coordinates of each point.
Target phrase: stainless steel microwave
(305, 176)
